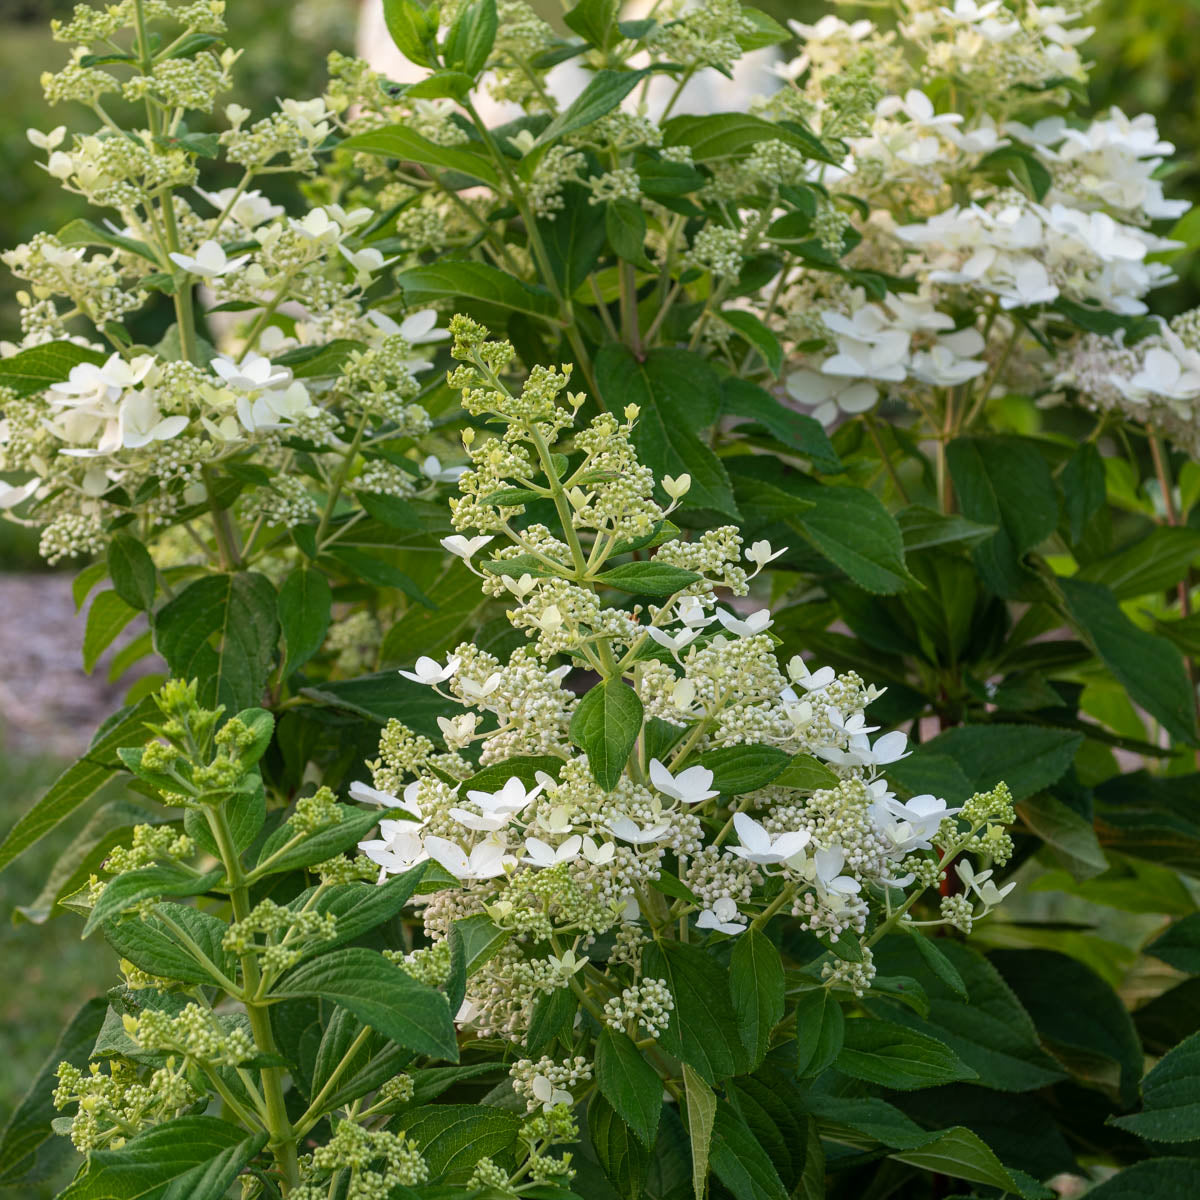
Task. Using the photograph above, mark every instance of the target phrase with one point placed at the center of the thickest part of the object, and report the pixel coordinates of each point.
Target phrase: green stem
(282, 1137)
(316, 1110)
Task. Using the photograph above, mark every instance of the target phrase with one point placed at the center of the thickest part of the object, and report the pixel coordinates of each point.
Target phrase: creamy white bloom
(12, 494)
(366, 794)
(430, 671)
(673, 642)
(486, 860)
(637, 835)
(723, 916)
(759, 846)
(253, 373)
(209, 262)
(688, 787)
(981, 883)
(756, 623)
(827, 867)
(542, 854)
(465, 547)
(432, 468)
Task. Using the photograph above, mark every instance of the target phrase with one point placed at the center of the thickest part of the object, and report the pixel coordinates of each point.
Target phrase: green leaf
(1093, 1035)
(703, 1028)
(152, 944)
(189, 1158)
(806, 774)
(358, 565)
(625, 228)
(595, 21)
(1180, 945)
(648, 578)
(1026, 757)
(81, 232)
(35, 369)
(410, 29)
(108, 615)
(764, 31)
(1170, 1098)
(733, 135)
(1153, 563)
(553, 1017)
(605, 90)
(961, 1154)
(701, 1116)
(456, 597)
(605, 727)
(992, 1034)
(132, 571)
(471, 37)
(452, 1138)
(383, 695)
(378, 994)
(797, 431)
(820, 1031)
(574, 239)
(221, 630)
(1005, 483)
(481, 940)
(757, 334)
(79, 782)
(896, 1057)
(352, 825)
(1149, 667)
(28, 1147)
(319, 362)
(1157, 1178)
(460, 281)
(679, 395)
(923, 528)
(756, 985)
(1070, 835)
(629, 1083)
(740, 769)
(620, 1153)
(305, 606)
(405, 144)
(936, 960)
(856, 533)
(148, 883)
(739, 1161)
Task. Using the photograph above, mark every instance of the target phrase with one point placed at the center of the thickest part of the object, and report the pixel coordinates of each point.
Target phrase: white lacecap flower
(548, 1094)
(432, 468)
(474, 691)
(12, 494)
(598, 853)
(629, 831)
(365, 794)
(47, 141)
(676, 486)
(981, 883)
(209, 262)
(830, 396)
(810, 681)
(542, 854)
(909, 825)
(756, 623)
(673, 642)
(253, 373)
(760, 553)
(723, 917)
(688, 787)
(465, 547)
(759, 846)
(430, 671)
(486, 860)
(827, 865)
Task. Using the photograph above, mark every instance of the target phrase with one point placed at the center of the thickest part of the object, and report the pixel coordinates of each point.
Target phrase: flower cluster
(571, 839)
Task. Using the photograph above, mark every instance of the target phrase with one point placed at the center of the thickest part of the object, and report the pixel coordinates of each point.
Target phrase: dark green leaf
(305, 606)
(107, 616)
(936, 960)
(221, 630)
(343, 834)
(739, 769)
(820, 1031)
(605, 727)
(625, 228)
(806, 774)
(629, 1083)
(471, 37)
(961, 1154)
(378, 994)
(739, 1161)
(1180, 945)
(648, 578)
(35, 369)
(703, 1028)
(553, 1017)
(410, 29)
(148, 883)
(154, 944)
(897, 1057)
(621, 1155)
(1156, 1179)
(452, 1138)
(461, 280)
(1007, 484)
(595, 21)
(1170, 1098)
(756, 986)
(605, 90)
(798, 431)
(1149, 667)
(132, 571)
(757, 334)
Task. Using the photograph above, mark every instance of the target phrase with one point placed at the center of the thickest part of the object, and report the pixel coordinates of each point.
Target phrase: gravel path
(48, 705)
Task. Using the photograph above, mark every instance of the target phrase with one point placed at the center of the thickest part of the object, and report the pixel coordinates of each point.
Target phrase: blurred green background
(1145, 60)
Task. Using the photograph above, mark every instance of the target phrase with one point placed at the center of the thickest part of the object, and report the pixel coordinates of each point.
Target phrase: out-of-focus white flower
(366, 794)
(47, 141)
(141, 421)
(12, 494)
(249, 210)
(253, 373)
(830, 396)
(918, 108)
(431, 468)
(209, 262)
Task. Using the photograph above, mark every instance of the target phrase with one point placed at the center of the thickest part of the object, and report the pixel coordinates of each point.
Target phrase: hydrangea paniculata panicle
(578, 868)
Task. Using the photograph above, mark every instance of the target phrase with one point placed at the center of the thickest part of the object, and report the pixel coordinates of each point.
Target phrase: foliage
(861, 370)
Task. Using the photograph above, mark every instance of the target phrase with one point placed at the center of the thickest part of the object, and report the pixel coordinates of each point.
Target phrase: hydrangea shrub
(579, 754)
